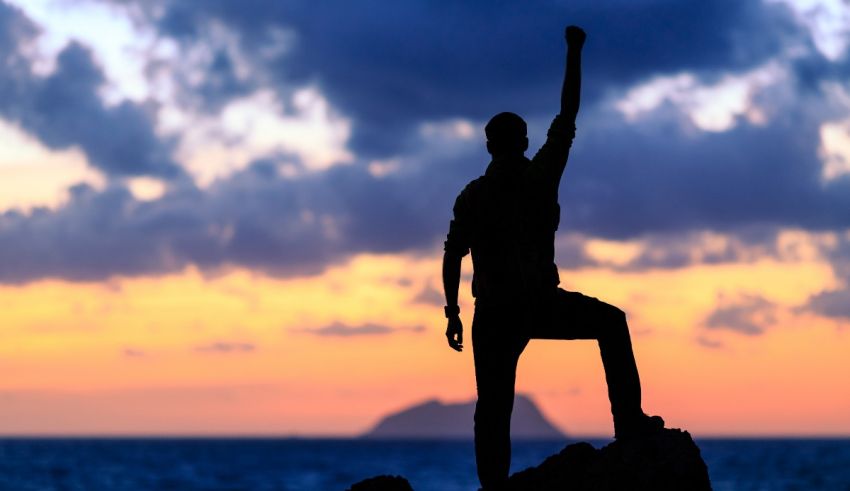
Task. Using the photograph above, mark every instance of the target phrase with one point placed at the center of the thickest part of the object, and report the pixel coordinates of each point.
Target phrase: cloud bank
(697, 117)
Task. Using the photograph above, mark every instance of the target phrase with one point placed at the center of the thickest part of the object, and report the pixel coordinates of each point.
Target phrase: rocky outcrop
(382, 483)
(666, 460)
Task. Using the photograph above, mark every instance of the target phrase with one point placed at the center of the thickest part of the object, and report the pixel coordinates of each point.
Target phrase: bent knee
(615, 316)
(614, 325)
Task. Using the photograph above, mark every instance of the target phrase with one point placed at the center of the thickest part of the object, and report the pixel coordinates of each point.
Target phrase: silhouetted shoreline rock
(382, 483)
(667, 460)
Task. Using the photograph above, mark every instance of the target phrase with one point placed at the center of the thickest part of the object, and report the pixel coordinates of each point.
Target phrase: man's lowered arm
(457, 246)
(451, 283)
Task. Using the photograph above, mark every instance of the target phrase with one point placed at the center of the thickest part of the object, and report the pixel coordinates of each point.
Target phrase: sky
(224, 217)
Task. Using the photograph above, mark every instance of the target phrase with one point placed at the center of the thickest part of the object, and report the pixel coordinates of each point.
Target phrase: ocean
(219, 464)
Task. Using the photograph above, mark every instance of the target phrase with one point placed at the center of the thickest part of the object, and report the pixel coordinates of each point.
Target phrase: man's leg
(571, 315)
(496, 348)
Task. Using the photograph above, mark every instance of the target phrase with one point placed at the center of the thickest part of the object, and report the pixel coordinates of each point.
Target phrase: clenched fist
(575, 36)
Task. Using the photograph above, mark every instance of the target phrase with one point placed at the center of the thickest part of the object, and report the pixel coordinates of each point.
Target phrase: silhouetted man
(508, 218)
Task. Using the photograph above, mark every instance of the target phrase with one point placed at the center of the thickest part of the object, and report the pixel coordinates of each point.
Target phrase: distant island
(434, 419)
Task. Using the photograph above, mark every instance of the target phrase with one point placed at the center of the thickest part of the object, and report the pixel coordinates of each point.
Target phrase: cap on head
(506, 133)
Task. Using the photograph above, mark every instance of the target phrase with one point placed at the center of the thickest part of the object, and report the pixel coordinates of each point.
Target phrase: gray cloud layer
(391, 68)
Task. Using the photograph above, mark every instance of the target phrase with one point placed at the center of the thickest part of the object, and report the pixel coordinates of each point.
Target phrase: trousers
(500, 332)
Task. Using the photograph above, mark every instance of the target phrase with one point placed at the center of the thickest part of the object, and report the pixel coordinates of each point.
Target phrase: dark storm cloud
(658, 178)
(392, 65)
(260, 219)
(14, 27)
(257, 219)
(100, 234)
(64, 109)
(219, 85)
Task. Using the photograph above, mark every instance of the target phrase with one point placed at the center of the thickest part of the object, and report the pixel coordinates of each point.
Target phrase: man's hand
(575, 36)
(454, 333)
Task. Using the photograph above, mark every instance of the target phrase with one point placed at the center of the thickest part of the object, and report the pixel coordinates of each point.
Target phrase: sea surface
(323, 464)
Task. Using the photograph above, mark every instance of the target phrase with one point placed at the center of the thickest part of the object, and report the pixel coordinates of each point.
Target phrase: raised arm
(551, 159)
(571, 90)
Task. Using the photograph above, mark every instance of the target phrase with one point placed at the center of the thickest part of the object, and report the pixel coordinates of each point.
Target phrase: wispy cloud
(750, 315)
(338, 329)
(709, 343)
(226, 347)
(134, 353)
(430, 296)
(832, 303)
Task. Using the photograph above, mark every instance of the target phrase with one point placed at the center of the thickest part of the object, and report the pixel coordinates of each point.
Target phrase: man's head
(506, 135)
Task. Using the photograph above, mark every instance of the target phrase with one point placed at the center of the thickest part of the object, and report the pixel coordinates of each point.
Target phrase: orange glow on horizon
(237, 352)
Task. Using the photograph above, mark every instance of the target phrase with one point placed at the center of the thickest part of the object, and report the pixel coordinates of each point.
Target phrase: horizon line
(296, 436)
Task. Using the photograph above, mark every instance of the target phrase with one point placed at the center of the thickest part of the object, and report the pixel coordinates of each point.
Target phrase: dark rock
(668, 459)
(382, 483)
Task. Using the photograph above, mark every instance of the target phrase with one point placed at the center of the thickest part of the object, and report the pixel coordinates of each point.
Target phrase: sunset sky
(226, 217)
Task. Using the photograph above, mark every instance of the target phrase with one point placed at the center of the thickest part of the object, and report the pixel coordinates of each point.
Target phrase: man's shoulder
(472, 187)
